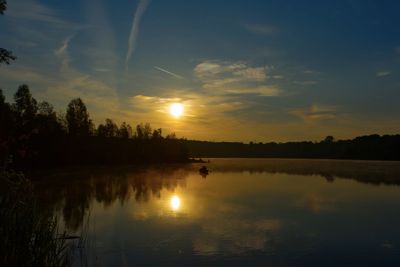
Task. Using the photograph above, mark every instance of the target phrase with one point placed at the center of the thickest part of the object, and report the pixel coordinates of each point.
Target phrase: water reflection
(72, 192)
(372, 172)
(251, 211)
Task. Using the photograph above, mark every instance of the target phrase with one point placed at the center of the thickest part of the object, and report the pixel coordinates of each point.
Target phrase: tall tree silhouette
(109, 129)
(329, 139)
(5, 55)
(125, 131)
(47, 120)
(157, 134)
(6, 118)
(25, 105)
(77, 117)
(143, 131)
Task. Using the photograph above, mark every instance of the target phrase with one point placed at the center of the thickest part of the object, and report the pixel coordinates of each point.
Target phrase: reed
(29, 237)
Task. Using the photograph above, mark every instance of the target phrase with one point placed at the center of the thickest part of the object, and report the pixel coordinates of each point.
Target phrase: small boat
(204, 170)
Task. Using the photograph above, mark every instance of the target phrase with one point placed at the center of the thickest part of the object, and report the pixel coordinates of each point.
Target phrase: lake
(245, 212)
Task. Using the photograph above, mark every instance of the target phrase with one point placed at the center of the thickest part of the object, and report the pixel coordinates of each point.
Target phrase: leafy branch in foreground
(3, 6)
(5, 55)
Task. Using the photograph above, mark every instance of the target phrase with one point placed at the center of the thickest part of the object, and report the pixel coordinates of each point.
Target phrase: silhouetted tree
(125, 131)
(3, 6)
(139, 131)
(147, 131)
(109, 129)
(62, 121)
(2, 97)
(25, 106)
(5, 55)
(47, 120)
(329, 139)
(157, 134)
(7, 126)
(92, 128)
(77, 118)
(101, 130)
(171, 136)
(46, 109)
(4, 106)
(34, 135)
(6, 119)
(143, 131)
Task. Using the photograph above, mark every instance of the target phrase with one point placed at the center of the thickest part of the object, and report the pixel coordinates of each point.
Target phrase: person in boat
(203, 169)
(203, 172)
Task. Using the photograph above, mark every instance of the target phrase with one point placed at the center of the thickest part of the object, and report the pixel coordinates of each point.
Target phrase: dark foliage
(34, 135)
(3, 6)
(5, 55)
(77, 117)
(371, 147)
(29, 236)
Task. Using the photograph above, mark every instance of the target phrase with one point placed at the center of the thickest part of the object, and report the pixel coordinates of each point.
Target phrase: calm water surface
(246, 212)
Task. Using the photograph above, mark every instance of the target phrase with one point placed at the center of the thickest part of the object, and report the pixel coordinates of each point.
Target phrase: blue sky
(244, 70)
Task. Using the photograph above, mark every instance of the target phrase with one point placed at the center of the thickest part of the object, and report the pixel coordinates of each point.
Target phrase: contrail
(168, 72)
(135, 28)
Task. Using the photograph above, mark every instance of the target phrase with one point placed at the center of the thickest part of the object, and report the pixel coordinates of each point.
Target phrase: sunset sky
(243, 70)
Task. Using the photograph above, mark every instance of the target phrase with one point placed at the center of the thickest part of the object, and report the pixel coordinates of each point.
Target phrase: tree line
(32, 133)
(369, 147)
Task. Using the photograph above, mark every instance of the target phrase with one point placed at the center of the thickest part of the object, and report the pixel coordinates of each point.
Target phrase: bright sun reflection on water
(175, 202)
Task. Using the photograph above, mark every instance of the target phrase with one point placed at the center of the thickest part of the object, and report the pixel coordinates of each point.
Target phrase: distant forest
(32, 135)
(371, 147)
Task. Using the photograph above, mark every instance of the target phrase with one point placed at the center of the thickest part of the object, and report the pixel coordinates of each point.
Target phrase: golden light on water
(176, 110)
(175, 203)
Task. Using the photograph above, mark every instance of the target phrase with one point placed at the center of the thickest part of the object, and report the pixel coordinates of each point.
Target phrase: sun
(175, 203)
(176, 110)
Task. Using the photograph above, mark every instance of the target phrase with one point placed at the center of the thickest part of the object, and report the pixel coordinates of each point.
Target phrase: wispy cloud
(261, 29)
(262, 90)
(316, 112)
(237, 70)
(155, 99)
(22, 75)
(235, 78)
(34, 11)
(383, 73)
(305, 82)
(311, 72)
(102, 70)
(60, 86)
(62, 53)
(135, 28)
(168, 72)
(100, 49)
